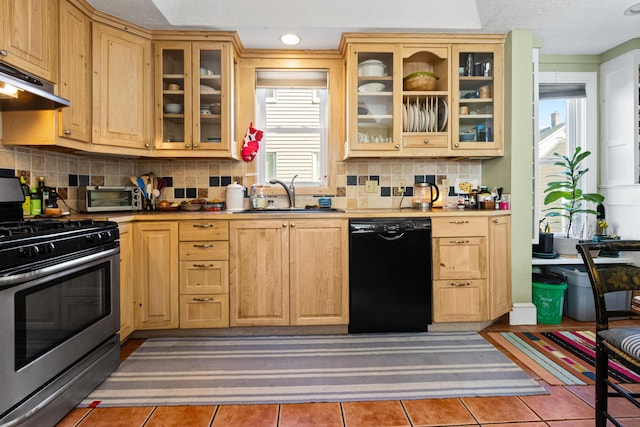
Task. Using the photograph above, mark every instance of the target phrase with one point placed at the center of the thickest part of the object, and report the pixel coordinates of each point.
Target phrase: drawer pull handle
(203, 245)
(458, 241)
(204, 299)
(461, 284)
(459, 222)
(204, 265)
(203, 225)
(495, 221)
(426, 141)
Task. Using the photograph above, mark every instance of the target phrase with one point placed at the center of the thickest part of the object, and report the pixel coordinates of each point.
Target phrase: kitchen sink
(291, 210)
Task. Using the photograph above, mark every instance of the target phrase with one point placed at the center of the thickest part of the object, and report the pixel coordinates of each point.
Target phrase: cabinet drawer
(204, 311)
(205, 250)
(424, 141)
(459, 300)
(459, 226)
(204, 277)
(203, 230)
(459, 258)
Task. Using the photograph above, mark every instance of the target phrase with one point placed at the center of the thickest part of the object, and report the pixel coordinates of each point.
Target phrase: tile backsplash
(189, 178)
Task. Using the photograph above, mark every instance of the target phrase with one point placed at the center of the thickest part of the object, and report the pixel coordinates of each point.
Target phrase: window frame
(590, 129)
(261, 159)
(246, 89)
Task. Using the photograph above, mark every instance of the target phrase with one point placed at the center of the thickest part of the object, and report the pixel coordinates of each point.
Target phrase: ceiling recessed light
(633, 10)
(290, 39)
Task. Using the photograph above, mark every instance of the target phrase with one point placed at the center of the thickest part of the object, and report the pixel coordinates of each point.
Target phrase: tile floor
(565, 406)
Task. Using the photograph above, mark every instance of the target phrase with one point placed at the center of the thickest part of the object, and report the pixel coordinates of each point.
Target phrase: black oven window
(48, 314)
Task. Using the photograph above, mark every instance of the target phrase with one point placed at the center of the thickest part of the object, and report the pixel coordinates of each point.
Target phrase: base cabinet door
(319, 272)
(459, 300)
(258, 281)
(499, 266)
(156, 275)
(459, 269)
(289, 272)
(204, 311)
(126, 281)
(459, 257)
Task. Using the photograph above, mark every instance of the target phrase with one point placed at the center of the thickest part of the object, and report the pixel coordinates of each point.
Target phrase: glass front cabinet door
(195, 109)
(477, 94)
(373, 126)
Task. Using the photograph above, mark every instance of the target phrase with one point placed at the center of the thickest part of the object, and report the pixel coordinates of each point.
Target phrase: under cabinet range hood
(22, 91)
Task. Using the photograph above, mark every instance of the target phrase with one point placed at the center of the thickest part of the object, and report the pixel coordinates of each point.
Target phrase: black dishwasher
(390, 283)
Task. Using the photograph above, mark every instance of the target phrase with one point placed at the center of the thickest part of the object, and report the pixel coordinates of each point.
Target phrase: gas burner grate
(15, 228)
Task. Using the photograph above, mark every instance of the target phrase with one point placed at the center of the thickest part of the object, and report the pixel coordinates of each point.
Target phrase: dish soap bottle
(36, 202)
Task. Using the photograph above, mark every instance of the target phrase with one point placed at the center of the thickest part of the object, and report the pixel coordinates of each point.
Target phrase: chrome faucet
(290, 189)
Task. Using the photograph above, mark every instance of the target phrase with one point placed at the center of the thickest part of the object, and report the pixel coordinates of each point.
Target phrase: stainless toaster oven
(109, 199)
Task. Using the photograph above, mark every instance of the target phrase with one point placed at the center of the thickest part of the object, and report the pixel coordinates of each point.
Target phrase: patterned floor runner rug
(319, 368)
(560, 357)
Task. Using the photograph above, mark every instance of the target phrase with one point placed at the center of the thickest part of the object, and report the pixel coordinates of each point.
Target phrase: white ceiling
(568, 27)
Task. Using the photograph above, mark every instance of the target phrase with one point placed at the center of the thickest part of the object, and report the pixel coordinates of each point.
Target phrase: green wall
(514, 169)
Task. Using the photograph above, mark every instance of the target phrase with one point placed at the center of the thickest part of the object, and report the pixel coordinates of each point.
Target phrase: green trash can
(548, 297)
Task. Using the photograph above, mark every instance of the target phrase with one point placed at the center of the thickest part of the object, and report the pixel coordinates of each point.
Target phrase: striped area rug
(319, 368)
(560, 357)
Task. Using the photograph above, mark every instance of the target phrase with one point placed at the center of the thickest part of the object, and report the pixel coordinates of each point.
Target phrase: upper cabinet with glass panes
(194, 88)
(411, 95)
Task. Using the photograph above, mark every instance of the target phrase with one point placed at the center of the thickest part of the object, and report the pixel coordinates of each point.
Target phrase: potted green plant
(572, 199)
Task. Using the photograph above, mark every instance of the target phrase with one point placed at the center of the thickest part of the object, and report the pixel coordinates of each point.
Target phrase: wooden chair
(621, 344)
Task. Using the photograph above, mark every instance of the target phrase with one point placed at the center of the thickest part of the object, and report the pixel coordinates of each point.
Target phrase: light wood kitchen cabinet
(385, 118)
(194, 91)
(259, 273)
(499, 273)
(427, 133)
(373, 128)
(460, 269)
(478, 90)
(27, 37)
(75, 74)
(288, 272)
(155, 264)
(319, 272)
(122, 89)
(204, 274)
(127, 317)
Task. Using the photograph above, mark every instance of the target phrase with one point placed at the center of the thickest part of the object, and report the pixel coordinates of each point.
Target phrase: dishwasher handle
(391, 238)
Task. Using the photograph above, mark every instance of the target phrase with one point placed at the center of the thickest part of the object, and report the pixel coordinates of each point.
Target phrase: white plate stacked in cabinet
(204, 274)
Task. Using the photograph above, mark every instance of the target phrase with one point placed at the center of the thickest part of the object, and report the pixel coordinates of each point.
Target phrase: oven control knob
(47, 248)
(29, 251)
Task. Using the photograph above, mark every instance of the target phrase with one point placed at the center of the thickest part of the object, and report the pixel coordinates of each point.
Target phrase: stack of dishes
(425, 115)
(372, 68)
(371, 87)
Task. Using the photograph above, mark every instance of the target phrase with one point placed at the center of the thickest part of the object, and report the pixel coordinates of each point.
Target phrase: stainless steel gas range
(59, 311)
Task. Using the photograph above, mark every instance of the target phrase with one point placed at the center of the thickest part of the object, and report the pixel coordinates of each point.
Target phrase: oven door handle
(52, 269)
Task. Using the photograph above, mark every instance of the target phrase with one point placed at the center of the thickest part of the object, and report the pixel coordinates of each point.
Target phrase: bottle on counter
(26, 205)
(36, 202)
(43, 191)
